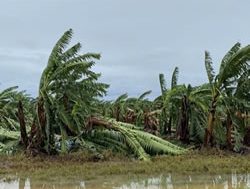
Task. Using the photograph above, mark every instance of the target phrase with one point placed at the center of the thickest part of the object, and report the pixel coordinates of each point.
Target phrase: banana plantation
(69, 113)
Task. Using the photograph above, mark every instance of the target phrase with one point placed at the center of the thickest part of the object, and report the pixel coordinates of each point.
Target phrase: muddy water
(168, 181)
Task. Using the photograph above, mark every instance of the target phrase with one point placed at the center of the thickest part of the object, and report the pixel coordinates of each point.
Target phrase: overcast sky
(138, 39)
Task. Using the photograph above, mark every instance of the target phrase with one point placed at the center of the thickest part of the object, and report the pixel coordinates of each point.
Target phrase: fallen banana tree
(8, 140)
(109, 134)
(128, 138)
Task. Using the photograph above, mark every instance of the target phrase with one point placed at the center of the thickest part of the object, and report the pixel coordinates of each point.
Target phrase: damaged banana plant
(67, 93)
(128, 138)
(68, 97)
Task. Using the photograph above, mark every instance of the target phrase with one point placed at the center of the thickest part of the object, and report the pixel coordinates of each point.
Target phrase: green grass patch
(77, 166)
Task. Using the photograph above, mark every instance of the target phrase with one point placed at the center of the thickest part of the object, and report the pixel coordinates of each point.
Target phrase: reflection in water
(233, 181)
(26, 184)
(9, 185)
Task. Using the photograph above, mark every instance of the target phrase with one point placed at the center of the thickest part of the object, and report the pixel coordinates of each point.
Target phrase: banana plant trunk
(24, 137)
(247, 136)
(45, 122)
(229, 132)
(41, 118)
(169, 126)
(208, 138)
(164, 122)
(50, 143)
(184, 120)
(117, 113)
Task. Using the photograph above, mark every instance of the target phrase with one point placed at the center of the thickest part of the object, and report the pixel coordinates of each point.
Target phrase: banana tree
(190, 105)
(167, 120)
(135, 110)
(118, 108)
(232, 66)
(9, 99)
(194, 108)
(237, 104)
(66, 92)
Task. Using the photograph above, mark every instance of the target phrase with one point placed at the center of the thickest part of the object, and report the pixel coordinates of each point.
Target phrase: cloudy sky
(138, 39)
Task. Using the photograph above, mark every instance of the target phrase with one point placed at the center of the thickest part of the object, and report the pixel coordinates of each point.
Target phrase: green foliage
(162, 83)
(127, 138)
(143, 95)
(68, 90)
(8, 140)
(209, 68)
(175, 77)
(234, 64)
(233, 74)
(68, 96)
(70, 93)
(8, 108)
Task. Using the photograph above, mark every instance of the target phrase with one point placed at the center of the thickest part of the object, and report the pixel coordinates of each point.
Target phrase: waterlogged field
(78, 171)
(167, 181)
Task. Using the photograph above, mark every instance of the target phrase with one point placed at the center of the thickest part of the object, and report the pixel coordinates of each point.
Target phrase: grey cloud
(22, 68)
(137, 39)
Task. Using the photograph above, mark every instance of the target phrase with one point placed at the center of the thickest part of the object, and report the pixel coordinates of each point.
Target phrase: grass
(77, 166)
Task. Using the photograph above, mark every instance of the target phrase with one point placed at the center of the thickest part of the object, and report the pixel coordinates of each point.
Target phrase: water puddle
(233, 181)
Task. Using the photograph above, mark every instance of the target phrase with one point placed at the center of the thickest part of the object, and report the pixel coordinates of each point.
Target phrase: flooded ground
(168, 181)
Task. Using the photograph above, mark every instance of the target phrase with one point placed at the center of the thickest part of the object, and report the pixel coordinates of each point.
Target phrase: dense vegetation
(70, 115)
